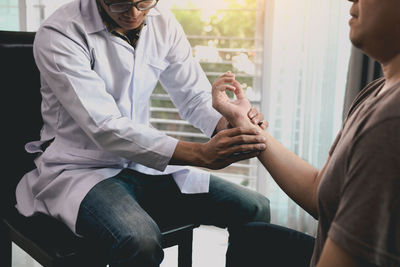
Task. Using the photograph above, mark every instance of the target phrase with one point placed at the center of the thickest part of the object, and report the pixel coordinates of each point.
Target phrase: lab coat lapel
(138, 73)
(121, 42)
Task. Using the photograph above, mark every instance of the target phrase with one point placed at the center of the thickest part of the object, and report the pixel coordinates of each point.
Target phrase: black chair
(45, 239)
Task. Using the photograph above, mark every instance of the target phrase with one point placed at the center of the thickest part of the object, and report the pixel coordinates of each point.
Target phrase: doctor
(101, 168)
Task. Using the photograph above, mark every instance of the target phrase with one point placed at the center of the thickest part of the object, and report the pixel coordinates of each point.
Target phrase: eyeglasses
(125, 6)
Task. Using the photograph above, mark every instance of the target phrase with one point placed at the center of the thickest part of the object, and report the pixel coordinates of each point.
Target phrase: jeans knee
(151, 249)
(142, 250)
(262, 212)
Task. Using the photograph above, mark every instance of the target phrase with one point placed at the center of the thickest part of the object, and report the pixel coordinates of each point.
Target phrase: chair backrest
(20, 110)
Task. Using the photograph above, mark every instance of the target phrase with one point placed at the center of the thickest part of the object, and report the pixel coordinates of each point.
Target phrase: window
(9, 15)
(224, 35)
(306, 72)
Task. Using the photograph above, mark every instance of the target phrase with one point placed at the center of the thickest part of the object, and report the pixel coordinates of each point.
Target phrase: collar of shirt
(131, 37)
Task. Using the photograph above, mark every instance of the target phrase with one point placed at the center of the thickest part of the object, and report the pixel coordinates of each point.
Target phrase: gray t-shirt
(359, 194)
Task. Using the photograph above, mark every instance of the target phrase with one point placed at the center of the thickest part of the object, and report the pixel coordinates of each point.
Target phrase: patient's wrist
(242, 122)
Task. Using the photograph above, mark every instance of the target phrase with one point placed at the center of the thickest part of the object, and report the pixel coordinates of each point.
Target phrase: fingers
(223, 87)
(227, 81)
(237, 150)
(239, 140)
(239, 131)
(245, 149)
(257, 118)
(263, 125)
(253, 112)
(239, 90)
(228, 74)
(231, 145)
(226, 78)
(222, 84)
(234, 158)
(240, 144)
(242, 140)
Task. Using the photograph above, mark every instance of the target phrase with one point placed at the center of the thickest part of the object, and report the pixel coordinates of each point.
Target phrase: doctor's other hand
(232, 145)
(257, 118)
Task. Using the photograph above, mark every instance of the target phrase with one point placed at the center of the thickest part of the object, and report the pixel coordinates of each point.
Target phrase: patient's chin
(355, 40)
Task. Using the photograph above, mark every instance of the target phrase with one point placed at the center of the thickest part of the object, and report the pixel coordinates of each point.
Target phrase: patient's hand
(235, 111)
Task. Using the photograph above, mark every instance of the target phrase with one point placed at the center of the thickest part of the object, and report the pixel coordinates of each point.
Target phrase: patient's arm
(333, 255)
(295, 176)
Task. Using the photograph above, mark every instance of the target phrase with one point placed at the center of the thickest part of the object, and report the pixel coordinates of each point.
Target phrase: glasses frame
(135, 4)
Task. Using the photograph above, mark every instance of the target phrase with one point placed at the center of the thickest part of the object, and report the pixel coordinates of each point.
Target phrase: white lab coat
(96, 90)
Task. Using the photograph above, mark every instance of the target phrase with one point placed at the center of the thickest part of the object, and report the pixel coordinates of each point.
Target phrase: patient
(355, 196)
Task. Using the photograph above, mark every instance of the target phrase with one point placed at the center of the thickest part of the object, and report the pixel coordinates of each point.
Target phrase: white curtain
(308, 56)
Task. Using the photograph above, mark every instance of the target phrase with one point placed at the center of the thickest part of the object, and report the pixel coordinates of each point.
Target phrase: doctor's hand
(224, 148)
(231, 145)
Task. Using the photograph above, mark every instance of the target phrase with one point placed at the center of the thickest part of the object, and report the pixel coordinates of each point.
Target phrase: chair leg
(185, 250)
(5, 246)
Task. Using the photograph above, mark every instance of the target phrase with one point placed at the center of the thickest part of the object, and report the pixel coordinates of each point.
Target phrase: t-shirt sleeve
(367, 222)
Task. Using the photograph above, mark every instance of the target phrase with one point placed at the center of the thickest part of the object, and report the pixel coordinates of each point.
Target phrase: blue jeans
(267, 245)
(123, 215)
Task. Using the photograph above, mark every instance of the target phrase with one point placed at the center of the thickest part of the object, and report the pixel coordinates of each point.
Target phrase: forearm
(188, 153)
(295, 176)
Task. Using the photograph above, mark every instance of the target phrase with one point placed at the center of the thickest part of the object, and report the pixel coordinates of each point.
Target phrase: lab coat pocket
(35, 146)
(148, 75)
